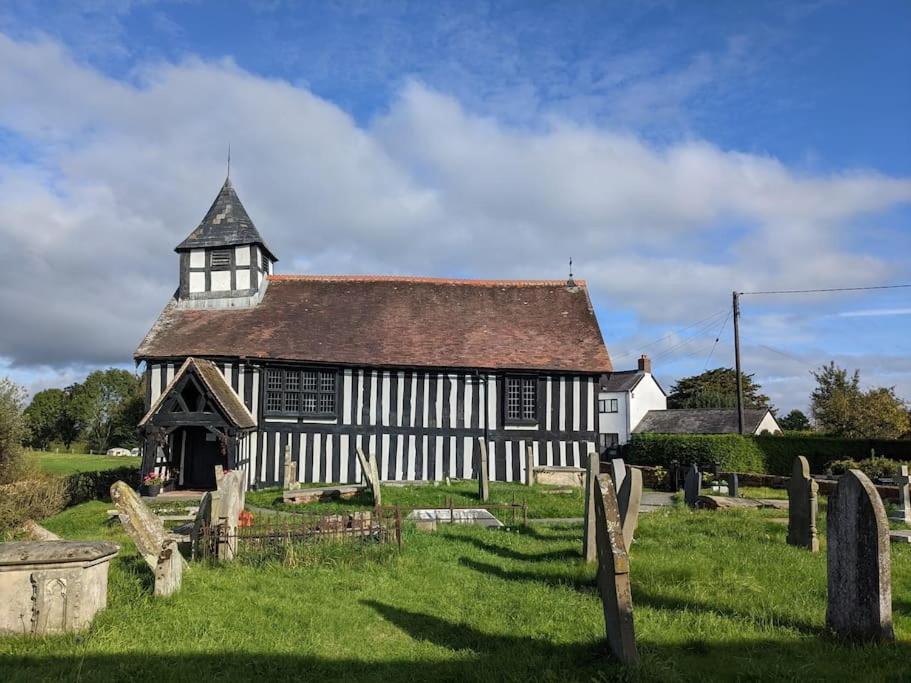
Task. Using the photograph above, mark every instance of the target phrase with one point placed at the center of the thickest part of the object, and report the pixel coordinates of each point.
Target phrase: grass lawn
(717, 595)
(543, 501)
(70, 463)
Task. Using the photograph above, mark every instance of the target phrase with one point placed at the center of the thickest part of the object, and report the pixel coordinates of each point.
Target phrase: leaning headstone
(168, 570)
(859, 562)
(202, 527)
(36, 532)
(733, 482)
(483, 479)
(589, 549)
(613, 574)
(529, 466)
(618, 472)
(904, 496)
(370, 475)
(628, 500)
(803, 505)
(290, 471)
(692, 485)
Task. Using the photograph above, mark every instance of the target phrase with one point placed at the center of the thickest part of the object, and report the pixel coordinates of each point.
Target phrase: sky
(675, 151)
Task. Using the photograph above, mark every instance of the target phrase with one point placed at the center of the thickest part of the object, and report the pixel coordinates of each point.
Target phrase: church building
(244, 363)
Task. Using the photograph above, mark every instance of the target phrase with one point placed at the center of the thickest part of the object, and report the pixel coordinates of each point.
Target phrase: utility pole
(736, 302)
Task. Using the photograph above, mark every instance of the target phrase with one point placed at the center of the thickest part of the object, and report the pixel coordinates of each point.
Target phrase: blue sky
(676, 151)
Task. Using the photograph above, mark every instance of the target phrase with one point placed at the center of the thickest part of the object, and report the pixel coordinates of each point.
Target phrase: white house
(623, 400)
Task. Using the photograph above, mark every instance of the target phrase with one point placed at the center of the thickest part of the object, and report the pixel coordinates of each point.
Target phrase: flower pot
(153, 490)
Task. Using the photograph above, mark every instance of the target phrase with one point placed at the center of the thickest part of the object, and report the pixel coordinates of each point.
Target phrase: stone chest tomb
(52, 586)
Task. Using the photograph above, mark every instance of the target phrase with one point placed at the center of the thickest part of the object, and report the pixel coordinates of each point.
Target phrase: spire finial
(570, 282)
(228, 177)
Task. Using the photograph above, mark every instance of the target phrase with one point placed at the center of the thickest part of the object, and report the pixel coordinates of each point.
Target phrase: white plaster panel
(242, 255)
(197, 258)
(243, 279)
(197, 282)
(221, 280)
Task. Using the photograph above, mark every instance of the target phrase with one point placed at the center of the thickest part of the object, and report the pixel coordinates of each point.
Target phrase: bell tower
(224, 262)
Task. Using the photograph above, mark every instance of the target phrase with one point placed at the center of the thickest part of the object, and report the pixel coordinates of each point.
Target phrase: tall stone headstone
(692, 485)
(483, 477)
(226, 510)
(803, 506)
(628, 500)
(613, 574)
(529, 466)
(168, 570)
(592, 470)
(618, 472)
(733, 482)
(371, 476)
(290, 471)
(904, 496)
(859, 561)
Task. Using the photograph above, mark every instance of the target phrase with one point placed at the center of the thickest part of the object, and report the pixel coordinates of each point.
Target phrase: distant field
(69, 463)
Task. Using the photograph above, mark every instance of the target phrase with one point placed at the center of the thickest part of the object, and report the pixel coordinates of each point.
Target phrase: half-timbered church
(243, 363)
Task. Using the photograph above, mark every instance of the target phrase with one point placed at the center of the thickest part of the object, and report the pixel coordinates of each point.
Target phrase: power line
(707, 322)
(720, 332)
(831, 289)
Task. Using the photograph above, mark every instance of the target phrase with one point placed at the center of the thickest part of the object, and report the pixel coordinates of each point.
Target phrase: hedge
(85, 486)
(759, 454)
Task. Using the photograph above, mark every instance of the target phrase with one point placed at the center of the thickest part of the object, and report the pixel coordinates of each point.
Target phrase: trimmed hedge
(85, 486)
(759, 454)
(735, 453)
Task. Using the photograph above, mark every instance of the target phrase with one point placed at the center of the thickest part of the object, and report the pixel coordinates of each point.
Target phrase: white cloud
(119, 172)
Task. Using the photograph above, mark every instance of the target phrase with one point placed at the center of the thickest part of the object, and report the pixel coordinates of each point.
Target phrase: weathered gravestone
(629, 497)
(904, 496)
(803, 505)
(226, 509)
(529, 466)
(589, 548)
(371, 475)
(483, 479)
(613, 574)
(692, 485)
(147, 531)
(290, 471)
(618, 472)
(733, 484)
(860, 566)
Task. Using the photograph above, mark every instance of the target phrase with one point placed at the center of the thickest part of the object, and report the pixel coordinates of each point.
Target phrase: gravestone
(628, 500)
(370, 475)
(148, 534)
(529, 466)
(904, 496)
(36, 532)
(733, 484)
(803, 505)
(52, 586)
(613, 574)
(618, 472)
(692, 485)
(589, 549)
(201, 526)
(483, 479)
(859, 561)
(290, 471)
(226, 510)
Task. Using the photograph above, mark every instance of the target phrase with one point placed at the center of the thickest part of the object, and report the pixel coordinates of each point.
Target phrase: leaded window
(521, 400)
(301, 393)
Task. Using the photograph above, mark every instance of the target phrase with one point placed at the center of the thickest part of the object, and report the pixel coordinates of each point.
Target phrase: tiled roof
(396, 322)
(692, 421)
(624, 380)
(226, 224)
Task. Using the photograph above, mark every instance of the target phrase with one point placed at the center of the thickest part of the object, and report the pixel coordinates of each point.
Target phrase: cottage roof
(694, 421)
(395, 322)
(226, 224)
(624, 380)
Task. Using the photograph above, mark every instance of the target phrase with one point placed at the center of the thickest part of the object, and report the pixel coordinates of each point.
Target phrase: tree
(103, 408)
(795, 421)
(46, 416)
(12, 428)
(716, 389)
(841, 408)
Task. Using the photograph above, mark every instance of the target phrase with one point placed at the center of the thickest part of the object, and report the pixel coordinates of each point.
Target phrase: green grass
(543, 501)
(70, 463)
(716, 595)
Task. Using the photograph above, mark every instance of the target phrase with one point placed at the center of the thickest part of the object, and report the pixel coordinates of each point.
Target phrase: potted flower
(153, 483)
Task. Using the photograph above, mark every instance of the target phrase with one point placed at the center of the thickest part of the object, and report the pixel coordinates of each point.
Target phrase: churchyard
(714, 593)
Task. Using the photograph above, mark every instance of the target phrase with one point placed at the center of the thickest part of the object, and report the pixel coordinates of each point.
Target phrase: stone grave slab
(803, 506)
(593, 469)
(859, 562)
(483, 471)
(476, 516)
(900, 536)
(571, 477)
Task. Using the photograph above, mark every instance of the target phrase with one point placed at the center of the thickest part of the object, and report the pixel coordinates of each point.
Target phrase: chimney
(645, 364)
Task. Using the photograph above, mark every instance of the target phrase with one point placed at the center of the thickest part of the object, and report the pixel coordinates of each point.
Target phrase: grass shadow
(554, 581)
(510, 554)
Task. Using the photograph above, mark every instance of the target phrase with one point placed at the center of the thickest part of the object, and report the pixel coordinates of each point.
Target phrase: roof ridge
(421, 279)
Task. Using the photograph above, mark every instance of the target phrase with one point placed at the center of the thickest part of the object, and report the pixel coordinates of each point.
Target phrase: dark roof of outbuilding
(624, 380)
(226, 224)
(218, 388)
(395, 322)
(692, 421)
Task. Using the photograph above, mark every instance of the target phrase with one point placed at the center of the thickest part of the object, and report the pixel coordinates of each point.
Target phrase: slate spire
(226, 224)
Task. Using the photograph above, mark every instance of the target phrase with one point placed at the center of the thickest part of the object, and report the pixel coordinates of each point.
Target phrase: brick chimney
(645, 364)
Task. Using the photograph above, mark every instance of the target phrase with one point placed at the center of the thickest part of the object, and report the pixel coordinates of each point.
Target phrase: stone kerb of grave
(803, 506)
(52, 586)
(859, 562)
(613, 574)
